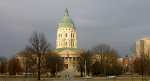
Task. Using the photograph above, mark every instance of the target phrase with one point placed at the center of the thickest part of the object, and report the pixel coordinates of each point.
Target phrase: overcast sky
(116, 22)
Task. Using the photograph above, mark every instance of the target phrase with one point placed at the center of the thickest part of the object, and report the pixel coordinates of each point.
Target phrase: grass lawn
(76, 79)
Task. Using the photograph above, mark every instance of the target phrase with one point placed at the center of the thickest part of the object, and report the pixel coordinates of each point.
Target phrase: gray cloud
(119, 23)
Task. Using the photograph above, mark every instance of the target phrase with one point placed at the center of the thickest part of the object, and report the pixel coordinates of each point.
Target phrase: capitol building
(66, 42)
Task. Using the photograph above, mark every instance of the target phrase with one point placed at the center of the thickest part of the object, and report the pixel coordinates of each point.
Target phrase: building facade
(66, 33)
(143, 47)
(66, 42)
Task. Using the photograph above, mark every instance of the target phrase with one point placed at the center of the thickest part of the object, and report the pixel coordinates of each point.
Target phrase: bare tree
(3, 65)
(142, 65)
(38, 45)
(105, 60)
(29, 61)
(85, 60)
(14, 66)
(54, 63)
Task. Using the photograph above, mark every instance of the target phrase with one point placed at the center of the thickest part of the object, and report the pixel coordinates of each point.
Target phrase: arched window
(66, 34)
(59, 43)
(71, 35)
(66, 44)
(72, 43)
(60, 35)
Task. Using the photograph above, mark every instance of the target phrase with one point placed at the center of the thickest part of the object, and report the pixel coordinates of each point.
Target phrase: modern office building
(143, 47)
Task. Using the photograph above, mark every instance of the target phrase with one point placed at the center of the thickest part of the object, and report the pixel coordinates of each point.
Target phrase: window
(78, 58)
(60, 35)
(66, 34)
(70, 58)
(72, 44)
(66, 66)
(74, 58)
(66, 44)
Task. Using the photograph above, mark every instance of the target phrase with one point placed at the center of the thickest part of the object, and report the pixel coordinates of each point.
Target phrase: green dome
(66, 21)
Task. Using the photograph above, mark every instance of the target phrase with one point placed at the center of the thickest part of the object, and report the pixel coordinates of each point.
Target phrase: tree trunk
(39, 68)
(81, 73)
